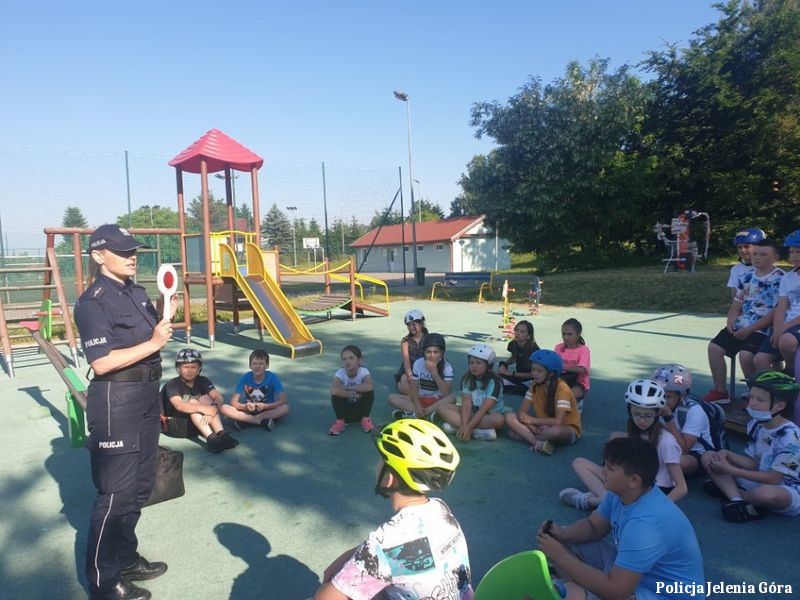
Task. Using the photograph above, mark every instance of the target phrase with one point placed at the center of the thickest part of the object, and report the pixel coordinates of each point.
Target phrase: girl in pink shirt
(575, 354)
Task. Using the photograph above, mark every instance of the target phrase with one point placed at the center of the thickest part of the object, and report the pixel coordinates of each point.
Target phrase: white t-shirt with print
(790, 288)
(419, 553)
(427, 384)
(346, 380)
(776, 450)
(737, 272)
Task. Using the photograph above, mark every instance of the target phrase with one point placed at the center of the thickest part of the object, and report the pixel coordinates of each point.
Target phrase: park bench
(480, 279)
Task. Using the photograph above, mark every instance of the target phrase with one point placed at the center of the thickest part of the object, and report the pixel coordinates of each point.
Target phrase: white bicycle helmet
(413, 315)
(483, 351)
(645, 393)
(674, 378)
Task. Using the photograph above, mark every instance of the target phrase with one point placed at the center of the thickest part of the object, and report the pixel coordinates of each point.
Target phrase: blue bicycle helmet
(793, 239)
(548, 359)
(752, 235)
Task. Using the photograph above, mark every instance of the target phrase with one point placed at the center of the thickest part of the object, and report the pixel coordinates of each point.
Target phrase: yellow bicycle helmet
(419, 452)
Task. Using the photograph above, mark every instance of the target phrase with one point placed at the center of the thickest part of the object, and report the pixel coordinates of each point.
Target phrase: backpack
(716, 423)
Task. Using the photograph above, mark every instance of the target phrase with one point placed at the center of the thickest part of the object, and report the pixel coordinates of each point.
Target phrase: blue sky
(302, 82)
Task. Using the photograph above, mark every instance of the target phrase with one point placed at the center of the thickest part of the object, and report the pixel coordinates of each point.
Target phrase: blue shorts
(767, 348)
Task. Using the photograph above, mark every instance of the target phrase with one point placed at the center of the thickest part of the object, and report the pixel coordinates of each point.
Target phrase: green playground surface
(265, 519)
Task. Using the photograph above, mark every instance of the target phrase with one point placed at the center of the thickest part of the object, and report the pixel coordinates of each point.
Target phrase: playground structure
(683, 252)
(508, 320)
(231, 266)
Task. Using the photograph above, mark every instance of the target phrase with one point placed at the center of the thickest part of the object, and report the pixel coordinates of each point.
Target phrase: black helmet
(187, 356)
(434, 339)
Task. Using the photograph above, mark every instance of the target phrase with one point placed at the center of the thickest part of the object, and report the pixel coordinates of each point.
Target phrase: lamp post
(403, 97)
(419, 201)
(293, 210)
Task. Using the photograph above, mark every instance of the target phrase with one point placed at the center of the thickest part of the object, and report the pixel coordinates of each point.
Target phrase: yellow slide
(268, 301)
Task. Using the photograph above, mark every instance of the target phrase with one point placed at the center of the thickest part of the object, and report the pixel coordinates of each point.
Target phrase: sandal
(541, 447)
(739, 511)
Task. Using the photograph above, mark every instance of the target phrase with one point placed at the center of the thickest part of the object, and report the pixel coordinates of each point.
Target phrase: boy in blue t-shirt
(654, 547)
(259, 398)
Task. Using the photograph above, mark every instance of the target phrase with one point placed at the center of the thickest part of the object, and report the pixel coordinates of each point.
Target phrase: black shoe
(125, 590)
(216, 443)
(230, 441)
(143, 570)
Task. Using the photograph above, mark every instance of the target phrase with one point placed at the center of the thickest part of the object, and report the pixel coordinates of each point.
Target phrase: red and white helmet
(482, 351)
(674, 378)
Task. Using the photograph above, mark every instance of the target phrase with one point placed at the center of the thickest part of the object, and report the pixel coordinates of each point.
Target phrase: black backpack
(716, 423)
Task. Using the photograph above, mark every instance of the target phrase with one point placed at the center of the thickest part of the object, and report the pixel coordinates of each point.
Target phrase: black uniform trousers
(123, 419)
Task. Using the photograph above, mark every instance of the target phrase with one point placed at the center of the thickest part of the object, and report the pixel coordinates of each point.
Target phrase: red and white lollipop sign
(167, 280)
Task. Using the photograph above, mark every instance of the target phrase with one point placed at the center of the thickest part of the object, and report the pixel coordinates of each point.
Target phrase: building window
(405, 248)
(438, 247)
(385, 251)
(420, 248)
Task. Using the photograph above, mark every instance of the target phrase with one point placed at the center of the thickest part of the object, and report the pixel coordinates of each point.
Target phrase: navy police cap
(114, 237)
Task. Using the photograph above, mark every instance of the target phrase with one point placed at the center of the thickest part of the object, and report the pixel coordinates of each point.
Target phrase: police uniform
(123, 410)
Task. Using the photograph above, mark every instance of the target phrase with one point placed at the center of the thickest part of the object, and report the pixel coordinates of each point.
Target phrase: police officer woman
(122, 335)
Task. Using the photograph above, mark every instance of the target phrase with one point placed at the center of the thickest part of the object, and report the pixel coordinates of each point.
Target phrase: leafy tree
(217, 212)
(427, 211)
(73, 217)
(276, 230)
(243, 212)
(723, 128)
(566, 177)
(167, 246)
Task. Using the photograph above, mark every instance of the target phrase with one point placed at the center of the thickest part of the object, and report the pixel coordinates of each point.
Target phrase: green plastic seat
(517, 576)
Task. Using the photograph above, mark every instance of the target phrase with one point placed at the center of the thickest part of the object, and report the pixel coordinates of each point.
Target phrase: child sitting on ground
(652, 548)
(351, 393)
(481, 410)
(786, 318)
(192, 404)
(516, 370)
(644, 399)
(410, 349)
(768, 475)
(431, 382)
(684, 417)
(749, 318)
(577, 360)
(264, 400)
(421, 551)
(557, 419)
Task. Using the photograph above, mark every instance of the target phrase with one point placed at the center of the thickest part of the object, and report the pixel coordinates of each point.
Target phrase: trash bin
(420, 275)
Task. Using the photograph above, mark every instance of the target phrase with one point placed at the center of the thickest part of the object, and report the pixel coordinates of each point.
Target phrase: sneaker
(216, 443)
(486, 435)
(230, 441)
(402, 414)
(447, 428)
(739, 511)
(541, 447)
(717, 396)
(576, 498)
(268, 424)
(337, 427)
(367, 425)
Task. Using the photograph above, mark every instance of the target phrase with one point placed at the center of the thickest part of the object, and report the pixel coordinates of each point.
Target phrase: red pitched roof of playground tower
(444, 230)
(219, 151)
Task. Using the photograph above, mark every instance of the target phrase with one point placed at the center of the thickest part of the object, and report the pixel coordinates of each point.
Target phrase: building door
(390, 257)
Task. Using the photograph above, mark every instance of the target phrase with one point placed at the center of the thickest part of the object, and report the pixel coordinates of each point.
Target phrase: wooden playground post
(187, 316)
(62, 300)
(212, 311)
(77, 254)
(327, 264)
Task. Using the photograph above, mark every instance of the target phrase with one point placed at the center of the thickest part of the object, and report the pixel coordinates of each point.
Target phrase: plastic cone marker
(167, 280)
